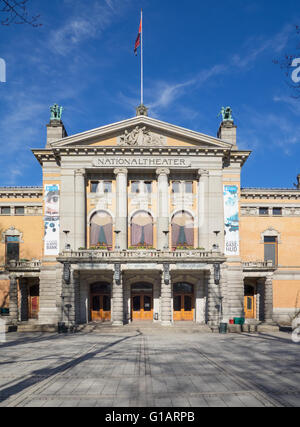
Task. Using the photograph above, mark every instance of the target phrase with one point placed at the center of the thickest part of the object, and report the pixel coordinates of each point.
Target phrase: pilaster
(121, 208)
(80, 209)
(268, 300)
(203, 209)
(163, 208)
(166, 298)
(13, 300)
(117, 297)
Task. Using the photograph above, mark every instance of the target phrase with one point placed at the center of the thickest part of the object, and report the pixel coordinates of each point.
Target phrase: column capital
(163, 171)
(121, 171)
(80, 172)
(203, 172)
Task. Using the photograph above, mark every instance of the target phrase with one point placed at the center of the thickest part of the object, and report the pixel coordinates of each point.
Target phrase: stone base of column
(117, 323)
(166, 323)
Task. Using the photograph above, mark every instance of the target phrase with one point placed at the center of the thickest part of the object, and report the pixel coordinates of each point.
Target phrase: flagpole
(142, 63)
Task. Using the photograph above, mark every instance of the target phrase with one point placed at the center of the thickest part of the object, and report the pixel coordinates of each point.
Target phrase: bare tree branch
(16, 13)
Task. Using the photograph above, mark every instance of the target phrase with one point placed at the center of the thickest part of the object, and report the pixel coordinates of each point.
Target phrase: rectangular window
(135, 187)
(12, 249)
(20, 211)
(277, 211)
(94, 186)
(148, 187)
(176, 187)
(107, 186)
(264, 211)
(189, 187)
(271, 249)
(5, 211)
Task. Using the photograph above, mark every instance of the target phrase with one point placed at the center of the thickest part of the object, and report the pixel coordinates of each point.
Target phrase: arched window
(142, 229)
(101, 229)
(182, 229)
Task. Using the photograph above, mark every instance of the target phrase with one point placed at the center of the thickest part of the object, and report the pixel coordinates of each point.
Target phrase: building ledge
(259, 266)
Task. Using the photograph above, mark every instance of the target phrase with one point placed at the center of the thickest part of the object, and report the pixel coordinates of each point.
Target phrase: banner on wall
(51, 220)
(232, 225)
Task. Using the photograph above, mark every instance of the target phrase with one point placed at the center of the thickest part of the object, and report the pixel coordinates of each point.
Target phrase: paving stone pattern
(141, 370)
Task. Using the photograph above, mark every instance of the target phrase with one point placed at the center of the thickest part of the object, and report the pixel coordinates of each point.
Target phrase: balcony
(135, 255)
(259, 266)
(24, 266)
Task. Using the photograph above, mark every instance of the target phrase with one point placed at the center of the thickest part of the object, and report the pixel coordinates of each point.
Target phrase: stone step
(31, 327)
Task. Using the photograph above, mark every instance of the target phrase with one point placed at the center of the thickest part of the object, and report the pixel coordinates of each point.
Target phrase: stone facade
(142, 230)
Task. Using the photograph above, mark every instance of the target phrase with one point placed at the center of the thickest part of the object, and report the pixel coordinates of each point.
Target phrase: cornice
(155, 124)
(23, 192)
(270, 193)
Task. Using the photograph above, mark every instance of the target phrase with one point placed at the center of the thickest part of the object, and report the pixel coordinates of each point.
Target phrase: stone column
(166, 299)
(268, 300)
(203, 210)
(200, 300)
(121, 208)
(213, 301)
(13, 300)
(163, 208)
(80, 210)
(117, 297)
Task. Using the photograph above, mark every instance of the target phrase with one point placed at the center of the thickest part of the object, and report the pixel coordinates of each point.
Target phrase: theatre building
(142, 220)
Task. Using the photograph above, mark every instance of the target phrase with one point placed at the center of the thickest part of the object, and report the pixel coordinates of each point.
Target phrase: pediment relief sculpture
(141, 137)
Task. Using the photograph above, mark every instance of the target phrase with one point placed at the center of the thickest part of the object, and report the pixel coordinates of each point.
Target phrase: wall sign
(139, 162)
(232, 225)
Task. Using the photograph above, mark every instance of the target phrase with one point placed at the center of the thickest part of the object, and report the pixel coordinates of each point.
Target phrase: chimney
(55, 129)
(298, 182)
(227, 129)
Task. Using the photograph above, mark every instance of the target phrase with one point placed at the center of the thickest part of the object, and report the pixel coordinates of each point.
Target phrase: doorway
(183, 302)
(250, 302)
(34, 302)
(142, 301)
(100, 302)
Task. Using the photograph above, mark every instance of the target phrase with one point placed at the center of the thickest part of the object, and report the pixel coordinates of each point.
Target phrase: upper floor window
(271, 249)
(12, 244)
(182, 187)
(5, 211)
(107, 186)
(101, 229)
(138, 187)
(263, 211)
(277, 211)
(182, 230)
(142, 229)
(19, 211)
(101, 187)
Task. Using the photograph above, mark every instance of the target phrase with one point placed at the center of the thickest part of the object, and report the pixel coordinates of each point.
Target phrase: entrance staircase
(148, 328)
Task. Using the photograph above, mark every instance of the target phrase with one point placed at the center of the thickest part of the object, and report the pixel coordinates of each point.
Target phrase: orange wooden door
(183, 308)
(100, 308)
(142, 307)
(34, 304)
(249, 307)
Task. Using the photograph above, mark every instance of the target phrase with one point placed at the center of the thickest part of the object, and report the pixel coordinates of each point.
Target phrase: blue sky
(198, 57)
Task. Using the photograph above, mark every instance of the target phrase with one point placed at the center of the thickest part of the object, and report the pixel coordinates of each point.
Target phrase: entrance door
(183, 302)
(249, 307)
(100, 302)
(142, 302)
(34, 302)
(250, 302)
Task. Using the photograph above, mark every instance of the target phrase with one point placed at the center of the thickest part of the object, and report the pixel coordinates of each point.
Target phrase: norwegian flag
(138, 39)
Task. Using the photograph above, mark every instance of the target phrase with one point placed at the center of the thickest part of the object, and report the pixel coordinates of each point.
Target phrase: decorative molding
(270, 232)
(141, 137)
(12, 231)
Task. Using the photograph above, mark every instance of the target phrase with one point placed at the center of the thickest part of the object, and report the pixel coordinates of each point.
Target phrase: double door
(249, 305)
(142, 307)
(100, 308)
(183, 307)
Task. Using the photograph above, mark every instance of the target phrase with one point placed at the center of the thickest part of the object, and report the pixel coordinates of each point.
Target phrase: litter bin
(223, 328)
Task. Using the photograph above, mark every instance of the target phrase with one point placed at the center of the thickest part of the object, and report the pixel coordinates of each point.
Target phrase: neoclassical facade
(142, 220)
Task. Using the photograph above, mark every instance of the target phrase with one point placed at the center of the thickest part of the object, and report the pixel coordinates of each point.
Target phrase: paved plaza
(152, 370)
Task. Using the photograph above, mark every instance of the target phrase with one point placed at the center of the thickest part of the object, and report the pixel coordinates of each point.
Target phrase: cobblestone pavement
(165, 370)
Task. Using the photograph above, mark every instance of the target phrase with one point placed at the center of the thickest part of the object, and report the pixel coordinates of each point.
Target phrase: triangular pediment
(142, 131)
